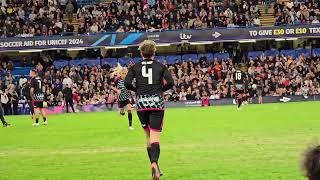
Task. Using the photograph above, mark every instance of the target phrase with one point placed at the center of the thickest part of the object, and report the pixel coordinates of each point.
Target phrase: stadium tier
(197, 76)
(53, 17)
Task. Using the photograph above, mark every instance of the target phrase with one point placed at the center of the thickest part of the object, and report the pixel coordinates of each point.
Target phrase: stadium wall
(24, 109)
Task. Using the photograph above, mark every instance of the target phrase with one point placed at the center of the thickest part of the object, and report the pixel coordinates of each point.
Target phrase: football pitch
(260, 142)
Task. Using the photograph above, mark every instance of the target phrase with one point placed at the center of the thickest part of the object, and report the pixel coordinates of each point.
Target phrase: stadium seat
(209, 56)
(255, 54)
(272, 53)
(316, 52)
(172, 59)
(91, 62)
(19, 71)
(87, 2)
(125, 60)
(160, 58)
(75, 62)
(306, 52)
(221, 56)
(60, 63)
(17, 64)
(109, 61)
(192, 57)
(137, 59)
(288, 52)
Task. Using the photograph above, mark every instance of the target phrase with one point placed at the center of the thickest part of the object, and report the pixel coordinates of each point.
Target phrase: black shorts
(151, 119)
(122, 104)
(240, 91)
(38, 104)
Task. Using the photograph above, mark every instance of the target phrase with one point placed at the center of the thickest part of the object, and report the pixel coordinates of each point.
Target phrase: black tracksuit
(68, 97)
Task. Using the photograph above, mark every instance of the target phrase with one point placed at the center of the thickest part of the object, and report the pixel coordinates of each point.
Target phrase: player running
(239, 81)
(149, 75)
(38, 98)
(124, 95)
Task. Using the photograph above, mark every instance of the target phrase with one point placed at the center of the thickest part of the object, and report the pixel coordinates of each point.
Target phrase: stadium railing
(87, 2)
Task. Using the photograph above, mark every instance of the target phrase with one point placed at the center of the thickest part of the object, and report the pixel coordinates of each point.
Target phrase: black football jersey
(149, 77)
(239, 77)
(36, 84)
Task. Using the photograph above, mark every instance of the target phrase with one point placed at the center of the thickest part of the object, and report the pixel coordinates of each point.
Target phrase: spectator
(315, 20)
(69, 11)
(67, 81)
(4, 101)
(22, 80)
(15, 102)
(70, 27)
(68, 98)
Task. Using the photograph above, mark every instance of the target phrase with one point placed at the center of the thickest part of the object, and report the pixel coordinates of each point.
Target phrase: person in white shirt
(59, 24)
(95, 12)
(63, 2)
(21, 13)
(228, 13)
(256, 21)
(22, 80)
(315, 20)
(4, 3)
(32, 16)
(94, 28)
(67, 81)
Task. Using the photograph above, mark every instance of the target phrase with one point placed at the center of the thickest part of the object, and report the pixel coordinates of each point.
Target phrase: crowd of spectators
(275, 76)
(132, 16)
(35, 17)
(54, 17)
(295, 13)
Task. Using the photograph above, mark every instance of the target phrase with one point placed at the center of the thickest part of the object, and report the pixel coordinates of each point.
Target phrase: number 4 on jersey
(147, 73)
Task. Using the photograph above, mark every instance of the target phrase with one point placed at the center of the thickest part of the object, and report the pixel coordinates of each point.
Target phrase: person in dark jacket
(68, 97)
(4, 122)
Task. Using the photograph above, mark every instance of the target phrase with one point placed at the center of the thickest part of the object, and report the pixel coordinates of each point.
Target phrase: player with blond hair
(124, 95)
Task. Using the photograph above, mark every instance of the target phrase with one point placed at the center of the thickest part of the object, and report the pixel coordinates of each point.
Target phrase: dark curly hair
(311, 163)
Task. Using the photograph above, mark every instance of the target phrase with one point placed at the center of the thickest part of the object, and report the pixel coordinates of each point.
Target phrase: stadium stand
(54, 17)
(296, 12)
(197, 76)
(27, 18)
(124, 16)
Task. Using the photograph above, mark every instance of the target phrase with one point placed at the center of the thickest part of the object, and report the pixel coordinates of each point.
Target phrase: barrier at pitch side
(24, 109)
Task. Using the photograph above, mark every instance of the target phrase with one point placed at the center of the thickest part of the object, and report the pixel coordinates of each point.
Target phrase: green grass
(216, 143)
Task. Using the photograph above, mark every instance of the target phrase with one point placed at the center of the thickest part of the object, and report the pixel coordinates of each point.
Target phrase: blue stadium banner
(111, 39)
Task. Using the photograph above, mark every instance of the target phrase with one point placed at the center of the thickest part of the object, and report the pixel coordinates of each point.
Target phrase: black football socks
(130, 118)
(149, 153)
(155, 152)
(239, 102)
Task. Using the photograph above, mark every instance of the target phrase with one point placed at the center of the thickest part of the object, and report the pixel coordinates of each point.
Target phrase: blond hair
(147, 49)
(118, 70)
